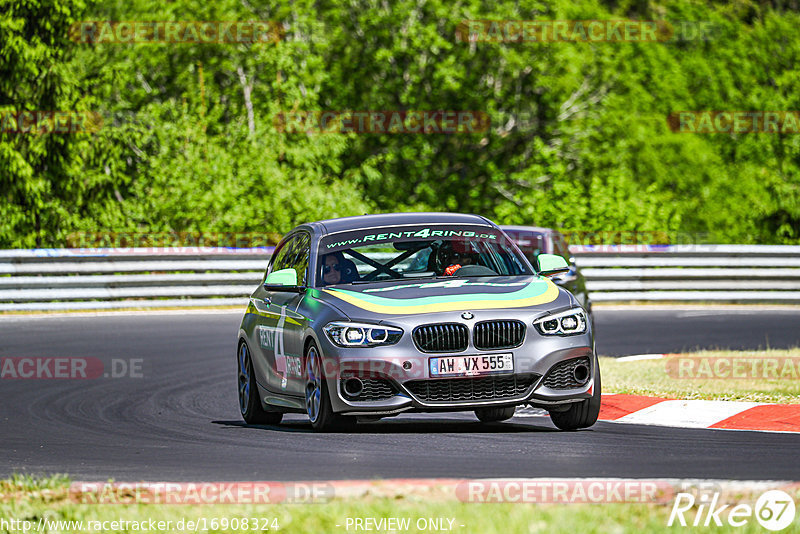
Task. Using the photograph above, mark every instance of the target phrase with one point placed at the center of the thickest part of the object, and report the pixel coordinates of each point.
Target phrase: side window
(293, 254)
(282, 254)
(299, 258)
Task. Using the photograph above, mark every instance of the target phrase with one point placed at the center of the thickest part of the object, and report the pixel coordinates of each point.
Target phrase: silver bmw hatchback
(372, 316)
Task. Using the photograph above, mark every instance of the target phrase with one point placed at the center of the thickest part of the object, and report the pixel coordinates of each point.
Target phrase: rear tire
(581, 414)
(249, 403)
(318, 400)
(494, 415)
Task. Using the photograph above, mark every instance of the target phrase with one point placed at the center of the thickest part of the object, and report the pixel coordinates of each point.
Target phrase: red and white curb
(726, 415)
(716, 414)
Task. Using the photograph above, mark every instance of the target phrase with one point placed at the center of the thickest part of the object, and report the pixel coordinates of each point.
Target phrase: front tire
(494, 415)
(249, 403)
(318, 400)
(581, 414)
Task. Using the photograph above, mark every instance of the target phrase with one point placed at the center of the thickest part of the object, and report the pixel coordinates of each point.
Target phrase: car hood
(400, 298)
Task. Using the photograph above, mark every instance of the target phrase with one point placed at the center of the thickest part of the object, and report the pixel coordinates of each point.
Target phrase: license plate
(485, 364)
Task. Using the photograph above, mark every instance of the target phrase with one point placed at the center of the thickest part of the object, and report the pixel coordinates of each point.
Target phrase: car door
(280, 327)
(291, 324)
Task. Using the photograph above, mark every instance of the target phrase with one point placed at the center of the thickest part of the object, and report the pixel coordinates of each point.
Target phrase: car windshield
(529, 242)
(382, 254)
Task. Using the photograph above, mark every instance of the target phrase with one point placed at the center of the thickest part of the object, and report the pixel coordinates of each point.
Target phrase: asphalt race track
(179, 419)
(623, 332)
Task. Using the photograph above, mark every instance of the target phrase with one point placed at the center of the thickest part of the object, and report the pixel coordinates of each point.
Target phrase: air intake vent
(471, 389)
(490, 335)
(372, 389)
(562, 375)
(446, 337)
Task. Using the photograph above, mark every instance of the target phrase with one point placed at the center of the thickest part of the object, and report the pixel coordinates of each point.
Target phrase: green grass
(651, 377)
(25, 498)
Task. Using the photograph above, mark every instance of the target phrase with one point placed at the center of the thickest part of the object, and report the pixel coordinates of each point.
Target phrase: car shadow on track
(407, 426)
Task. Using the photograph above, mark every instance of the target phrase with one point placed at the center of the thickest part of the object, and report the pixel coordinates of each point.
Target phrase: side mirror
(552, 264)
(282, 280)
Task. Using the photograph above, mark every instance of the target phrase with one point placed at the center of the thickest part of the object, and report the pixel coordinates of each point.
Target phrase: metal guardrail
(86, 279)
(730, 273)
(53, 279)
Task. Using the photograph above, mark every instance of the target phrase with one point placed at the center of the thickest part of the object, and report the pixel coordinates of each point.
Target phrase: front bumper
(396, 378)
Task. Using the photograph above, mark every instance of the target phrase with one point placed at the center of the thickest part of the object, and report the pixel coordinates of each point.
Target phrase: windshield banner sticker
(370, 236)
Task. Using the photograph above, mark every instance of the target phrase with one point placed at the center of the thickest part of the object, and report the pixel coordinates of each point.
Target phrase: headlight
(361, 335)
(566, 323)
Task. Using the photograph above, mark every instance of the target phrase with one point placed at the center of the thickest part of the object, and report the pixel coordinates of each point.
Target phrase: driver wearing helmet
(458, 254)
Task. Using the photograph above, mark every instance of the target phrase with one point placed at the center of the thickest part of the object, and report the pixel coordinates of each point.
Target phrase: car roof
(332, 226)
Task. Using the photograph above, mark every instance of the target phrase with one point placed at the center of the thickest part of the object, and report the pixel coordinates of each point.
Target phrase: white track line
(639, 357)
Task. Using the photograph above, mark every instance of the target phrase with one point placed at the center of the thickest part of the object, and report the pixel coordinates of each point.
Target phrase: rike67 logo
(774, 510)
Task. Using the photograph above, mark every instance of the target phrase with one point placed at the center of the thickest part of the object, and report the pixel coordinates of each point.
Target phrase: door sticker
(271, 338)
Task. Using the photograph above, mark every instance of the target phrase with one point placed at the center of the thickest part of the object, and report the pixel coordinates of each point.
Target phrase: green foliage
(36, 184)
(579, 137)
